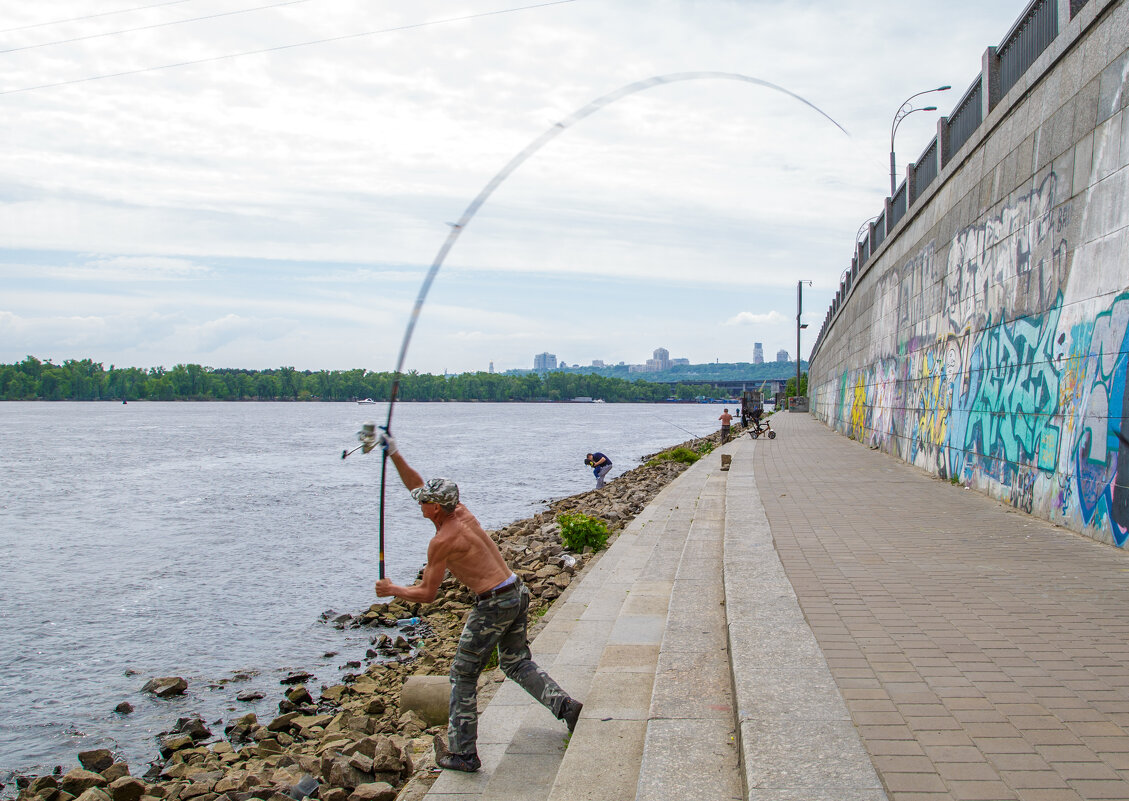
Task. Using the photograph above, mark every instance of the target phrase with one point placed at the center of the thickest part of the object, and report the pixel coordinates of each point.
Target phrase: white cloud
(754, 318)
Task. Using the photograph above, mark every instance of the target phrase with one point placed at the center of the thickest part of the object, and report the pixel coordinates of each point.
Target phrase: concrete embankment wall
(985, 337)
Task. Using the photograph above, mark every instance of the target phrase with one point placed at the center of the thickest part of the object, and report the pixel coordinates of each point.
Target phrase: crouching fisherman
(499, 617)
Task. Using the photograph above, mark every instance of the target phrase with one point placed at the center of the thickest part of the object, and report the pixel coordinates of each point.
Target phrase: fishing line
(680, 428)
(457, 228)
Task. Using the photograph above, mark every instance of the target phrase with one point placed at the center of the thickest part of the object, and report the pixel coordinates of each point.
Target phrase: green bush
(679, 454)
(579, 531)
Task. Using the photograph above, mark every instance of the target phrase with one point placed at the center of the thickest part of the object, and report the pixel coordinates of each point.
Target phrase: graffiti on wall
(986, 366)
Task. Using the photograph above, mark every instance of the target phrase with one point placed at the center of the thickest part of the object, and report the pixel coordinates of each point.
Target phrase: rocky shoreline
(352, 741)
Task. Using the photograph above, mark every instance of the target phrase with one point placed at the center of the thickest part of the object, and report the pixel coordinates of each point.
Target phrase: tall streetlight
(904, 111)
(799, 327)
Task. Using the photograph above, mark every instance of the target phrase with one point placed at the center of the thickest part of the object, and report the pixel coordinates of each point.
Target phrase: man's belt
(494, 593)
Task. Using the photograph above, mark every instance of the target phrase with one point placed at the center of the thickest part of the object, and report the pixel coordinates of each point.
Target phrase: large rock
(115, 772)
(79, 780)
(342, 774)
(96, 760)
(126, 788)
(374, 791)
(93, 794)
(193, 727)
(41, 784)
(165, 687)
(299, 695)
(175, 742)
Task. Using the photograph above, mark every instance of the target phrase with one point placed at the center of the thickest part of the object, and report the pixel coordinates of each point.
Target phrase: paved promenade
(822, 622)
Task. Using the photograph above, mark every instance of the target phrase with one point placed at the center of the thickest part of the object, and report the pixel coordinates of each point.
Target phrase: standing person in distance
(499, 618)
(726, 418)
(601, 466)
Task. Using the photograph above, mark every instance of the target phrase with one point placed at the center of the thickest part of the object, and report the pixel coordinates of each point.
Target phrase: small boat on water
(367, 402)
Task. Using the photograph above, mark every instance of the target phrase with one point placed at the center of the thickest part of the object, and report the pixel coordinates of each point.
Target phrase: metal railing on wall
(925, 169)
(966, 117)
(898, 205)
(878, 232)
(1032, 33)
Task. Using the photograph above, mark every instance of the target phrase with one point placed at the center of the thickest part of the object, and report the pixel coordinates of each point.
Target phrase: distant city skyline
(660, 361)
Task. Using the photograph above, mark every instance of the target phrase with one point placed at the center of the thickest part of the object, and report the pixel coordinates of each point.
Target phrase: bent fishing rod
(367, 435)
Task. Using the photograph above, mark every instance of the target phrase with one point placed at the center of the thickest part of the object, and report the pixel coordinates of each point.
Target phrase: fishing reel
(367, 437)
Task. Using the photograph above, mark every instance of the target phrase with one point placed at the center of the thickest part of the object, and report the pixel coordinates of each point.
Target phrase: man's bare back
(470, 554)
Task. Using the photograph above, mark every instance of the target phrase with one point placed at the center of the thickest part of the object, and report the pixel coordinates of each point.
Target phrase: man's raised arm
(408, 475)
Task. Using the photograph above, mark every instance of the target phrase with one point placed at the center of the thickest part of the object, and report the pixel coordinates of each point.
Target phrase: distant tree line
(87, 380)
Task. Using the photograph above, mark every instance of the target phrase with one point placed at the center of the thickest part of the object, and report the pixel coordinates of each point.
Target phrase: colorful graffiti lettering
(1015, 392)
(985, 361)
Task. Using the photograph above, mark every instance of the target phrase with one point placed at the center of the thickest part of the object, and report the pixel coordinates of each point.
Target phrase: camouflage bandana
(442, 491)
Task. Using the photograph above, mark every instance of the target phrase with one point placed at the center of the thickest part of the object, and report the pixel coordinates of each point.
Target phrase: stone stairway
(648, 640)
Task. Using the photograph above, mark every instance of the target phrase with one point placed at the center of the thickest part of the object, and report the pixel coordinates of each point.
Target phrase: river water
(204, 540)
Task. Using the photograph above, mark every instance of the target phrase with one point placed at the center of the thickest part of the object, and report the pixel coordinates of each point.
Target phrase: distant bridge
(770, 386)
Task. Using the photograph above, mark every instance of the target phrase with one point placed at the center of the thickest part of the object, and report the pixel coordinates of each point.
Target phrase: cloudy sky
(258, 183)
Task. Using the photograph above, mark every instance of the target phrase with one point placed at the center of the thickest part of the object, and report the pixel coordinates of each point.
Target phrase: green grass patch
(679, 454)
(579, 531)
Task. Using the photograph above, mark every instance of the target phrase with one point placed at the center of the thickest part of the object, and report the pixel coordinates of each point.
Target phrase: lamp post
(866, 224)
(904, 111)
(799, 327)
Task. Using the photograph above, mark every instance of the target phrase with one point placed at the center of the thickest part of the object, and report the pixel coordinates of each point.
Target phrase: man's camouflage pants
(500, 621)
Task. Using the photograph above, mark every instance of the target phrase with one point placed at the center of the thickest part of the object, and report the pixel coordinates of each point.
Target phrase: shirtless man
(726, 418)
(499, 617)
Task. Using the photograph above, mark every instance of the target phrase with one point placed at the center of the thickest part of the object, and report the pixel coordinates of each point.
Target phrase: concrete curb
(796, 737)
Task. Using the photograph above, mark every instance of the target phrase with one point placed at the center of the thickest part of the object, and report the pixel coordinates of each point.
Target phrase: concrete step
(603, 643)
(691, 749)
(605, 759)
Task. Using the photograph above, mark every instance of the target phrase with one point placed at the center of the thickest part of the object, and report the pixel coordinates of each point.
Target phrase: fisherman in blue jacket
(600, 465)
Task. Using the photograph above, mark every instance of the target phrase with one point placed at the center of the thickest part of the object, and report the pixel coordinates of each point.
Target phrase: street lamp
(799, 326)
(865, 225)
(904, 111)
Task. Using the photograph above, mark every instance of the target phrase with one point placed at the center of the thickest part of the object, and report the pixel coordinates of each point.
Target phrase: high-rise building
(544, 361)
(491, 367)
(662, 359)
(758, 353)
(781, 355)
(597, 362)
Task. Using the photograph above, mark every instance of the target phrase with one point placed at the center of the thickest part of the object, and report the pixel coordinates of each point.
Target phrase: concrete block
(805, 754)
(697, 688)
(638, 630)
(619, 695)
(689, 759)
(1107, 146)
(1086, 109)
(645, 605)
(630, 658)
(796, 694)
(1083, 162)
(1062, 128)
(519, 777)
(1024, 160)
(427, 696)
(601, 762)
(1112, 85)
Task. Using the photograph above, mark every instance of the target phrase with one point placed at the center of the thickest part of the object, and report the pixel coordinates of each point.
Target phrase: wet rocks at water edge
(353, 740)
(165, 687)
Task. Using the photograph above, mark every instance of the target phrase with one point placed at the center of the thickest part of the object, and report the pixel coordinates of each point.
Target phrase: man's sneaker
(468, 763)
(571, 713)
